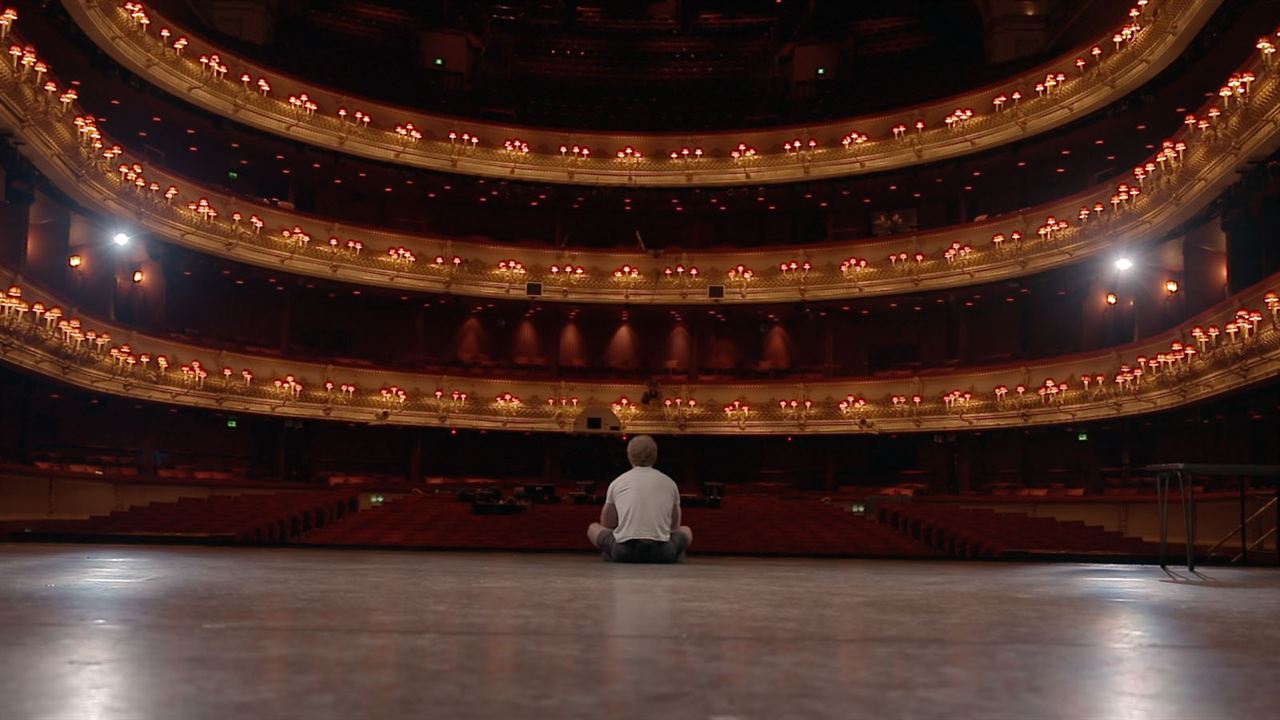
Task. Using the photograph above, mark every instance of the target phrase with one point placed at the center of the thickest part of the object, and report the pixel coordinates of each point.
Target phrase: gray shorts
(643, 551)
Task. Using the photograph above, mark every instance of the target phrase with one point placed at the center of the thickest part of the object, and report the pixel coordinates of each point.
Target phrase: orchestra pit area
(693, 359)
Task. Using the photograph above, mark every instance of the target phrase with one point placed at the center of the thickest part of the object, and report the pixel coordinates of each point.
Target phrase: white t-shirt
(644, 498)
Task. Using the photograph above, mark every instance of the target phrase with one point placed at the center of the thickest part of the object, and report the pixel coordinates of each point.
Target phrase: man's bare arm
(609, 516)
(675, 516)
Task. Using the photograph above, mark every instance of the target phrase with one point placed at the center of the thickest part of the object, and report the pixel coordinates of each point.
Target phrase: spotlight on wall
(75, 261)
(120, 239)
(1171, 286)
(1123, 264)
(1112, 298)
(137, 277)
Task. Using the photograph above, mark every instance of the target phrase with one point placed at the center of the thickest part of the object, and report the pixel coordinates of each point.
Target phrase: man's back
(644, 498)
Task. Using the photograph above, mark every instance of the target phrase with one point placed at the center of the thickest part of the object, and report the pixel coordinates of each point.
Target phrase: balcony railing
(1226, 348)
(1064, 90)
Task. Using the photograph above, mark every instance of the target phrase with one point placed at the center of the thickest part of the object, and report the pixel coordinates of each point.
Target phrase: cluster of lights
(213, 65)
(629, 153)
(998, 240)
(686, 153)
(741, 272)
(346, 390)
(853, 139)
(465, 140)
(575, 152)
(679, 271)
(393, 396)
(562, 402)
(853, 266)
(793, 268)
(408, 132)
(626, 272)
(956, 252)
(289, 387)
(567, 270)
(511, 267)
(624, 409)
(7, 18)
(516, 146)
(305, 105)
(1051, 82)
(743, 152)
(956, 399)
(796, 146)
(793, 405)
(958, 118)
(401, 254)
(295, 236)
(1052, 228)
(899, 260)
(851, 404)
(737, 410)
(999, 101)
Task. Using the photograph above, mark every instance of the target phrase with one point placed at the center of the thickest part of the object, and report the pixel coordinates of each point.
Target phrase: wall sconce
(1112, 298)
(1171, 286)
(137, 277)
(75, 261)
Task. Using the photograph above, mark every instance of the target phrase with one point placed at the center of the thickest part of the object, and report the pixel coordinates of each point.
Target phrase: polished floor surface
(105, 632)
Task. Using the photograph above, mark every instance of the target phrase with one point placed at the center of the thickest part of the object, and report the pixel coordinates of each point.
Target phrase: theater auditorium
(706, 359)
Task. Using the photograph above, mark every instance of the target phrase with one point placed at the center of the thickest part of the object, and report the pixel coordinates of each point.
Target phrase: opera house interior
(956, 324)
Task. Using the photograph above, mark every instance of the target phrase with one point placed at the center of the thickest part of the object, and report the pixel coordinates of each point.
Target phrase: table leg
(1189, 518)
(1162, 512)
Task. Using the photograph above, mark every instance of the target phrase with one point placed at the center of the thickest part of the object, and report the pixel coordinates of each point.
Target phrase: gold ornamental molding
(1231, 346)
(1066, 89)
(1240, 123)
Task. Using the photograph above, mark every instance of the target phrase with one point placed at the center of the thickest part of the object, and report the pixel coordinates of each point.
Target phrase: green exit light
(231, 423)
(438, 62)
(232, 174)
(1082, 436)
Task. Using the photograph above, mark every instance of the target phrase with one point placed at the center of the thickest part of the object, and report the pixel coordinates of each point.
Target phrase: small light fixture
(1112, 298)
(822, 71)
(75, 261)
(137, 277)
(1123, 264)
(120, 239)
(1171, 286)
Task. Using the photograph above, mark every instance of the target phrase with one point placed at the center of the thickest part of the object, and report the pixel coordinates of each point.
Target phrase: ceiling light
(1123, 264)
(120, 239)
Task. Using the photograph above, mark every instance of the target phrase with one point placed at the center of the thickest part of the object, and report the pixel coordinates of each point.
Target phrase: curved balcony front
(1228, 347)
(1047, 97)
(1184, 176)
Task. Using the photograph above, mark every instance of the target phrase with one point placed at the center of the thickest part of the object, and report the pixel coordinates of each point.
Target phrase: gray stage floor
(106, 632)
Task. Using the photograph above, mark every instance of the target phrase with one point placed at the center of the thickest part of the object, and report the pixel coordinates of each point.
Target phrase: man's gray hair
(642, 451)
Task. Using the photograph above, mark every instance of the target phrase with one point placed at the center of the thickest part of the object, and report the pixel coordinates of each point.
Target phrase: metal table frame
(1184, 472)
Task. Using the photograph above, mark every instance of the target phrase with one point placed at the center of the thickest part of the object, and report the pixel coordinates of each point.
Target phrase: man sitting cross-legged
(641, 517)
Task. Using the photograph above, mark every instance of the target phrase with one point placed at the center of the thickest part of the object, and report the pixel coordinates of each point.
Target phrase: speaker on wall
(715, 292)
(533, 289)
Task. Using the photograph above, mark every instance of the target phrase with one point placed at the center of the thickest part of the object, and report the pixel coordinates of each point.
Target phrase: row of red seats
(248, 518)
(983, 533)
(749, 525)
